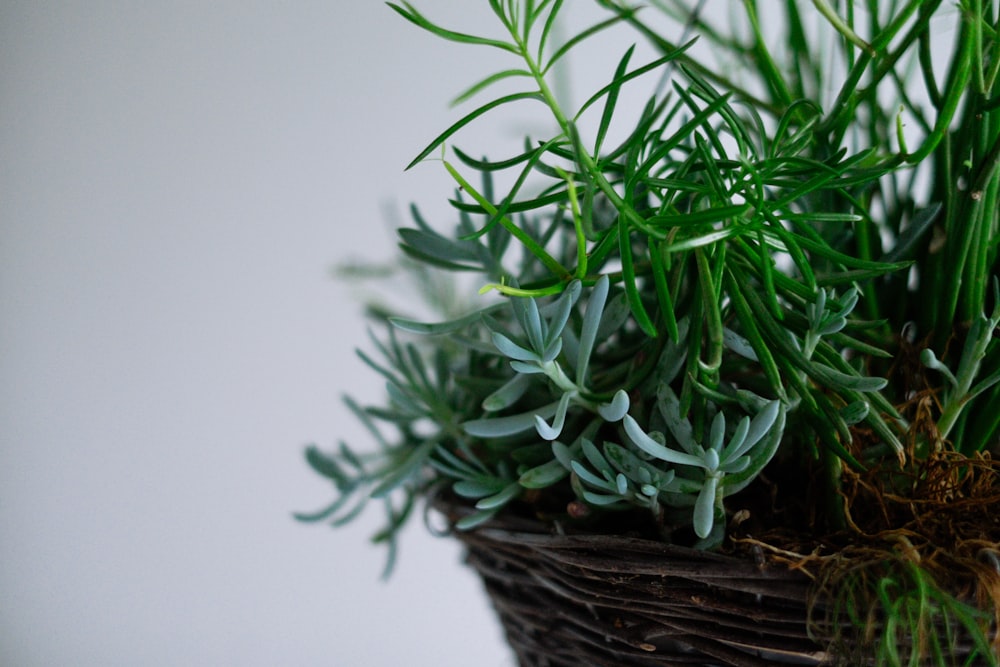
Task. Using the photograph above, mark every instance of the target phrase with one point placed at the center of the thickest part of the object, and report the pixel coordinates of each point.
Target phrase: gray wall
(177, 180)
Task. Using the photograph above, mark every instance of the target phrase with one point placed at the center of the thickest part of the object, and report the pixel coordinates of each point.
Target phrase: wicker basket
(608, 601)
(613, 601)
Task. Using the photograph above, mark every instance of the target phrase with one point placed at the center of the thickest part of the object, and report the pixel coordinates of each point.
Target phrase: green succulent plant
(783, 258)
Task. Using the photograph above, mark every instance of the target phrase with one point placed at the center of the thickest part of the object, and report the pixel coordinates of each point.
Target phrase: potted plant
(730, 390)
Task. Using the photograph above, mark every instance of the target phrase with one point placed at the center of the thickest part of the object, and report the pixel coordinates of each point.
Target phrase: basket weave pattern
(609, 601)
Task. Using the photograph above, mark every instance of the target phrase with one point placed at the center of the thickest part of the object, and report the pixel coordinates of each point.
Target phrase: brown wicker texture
(610, 601)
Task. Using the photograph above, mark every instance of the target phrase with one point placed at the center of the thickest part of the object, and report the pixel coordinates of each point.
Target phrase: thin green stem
(959, 80)
(531, 244)
(713, 316)
(581, 237)
(843, 28)
(769, 70)
(978, 18)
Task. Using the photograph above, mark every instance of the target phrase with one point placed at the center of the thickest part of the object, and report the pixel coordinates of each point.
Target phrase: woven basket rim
(556, 535)
(639, 601)
(571, 598)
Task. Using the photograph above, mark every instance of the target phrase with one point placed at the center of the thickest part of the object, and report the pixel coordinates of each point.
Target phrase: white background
(177, 180)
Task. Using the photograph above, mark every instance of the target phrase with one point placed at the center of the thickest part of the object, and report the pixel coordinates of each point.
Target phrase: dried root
(916, 572)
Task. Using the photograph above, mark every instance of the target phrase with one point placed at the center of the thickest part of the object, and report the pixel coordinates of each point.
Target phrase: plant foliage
(783, 259)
